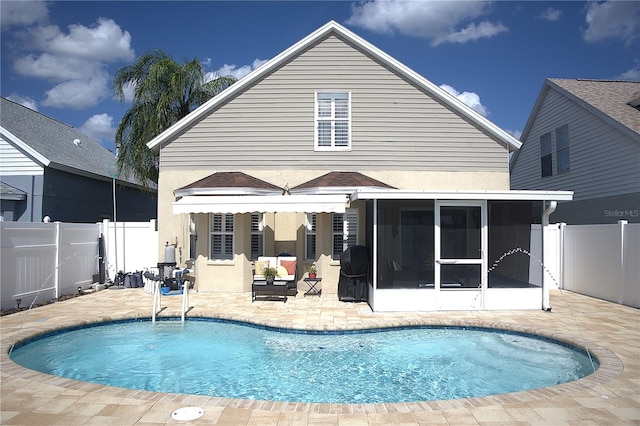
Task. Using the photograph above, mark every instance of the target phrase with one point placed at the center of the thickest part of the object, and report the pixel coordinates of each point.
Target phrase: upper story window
(562, 148)
(221, 236)
(333, 121)
(546, 159)
(554, 152)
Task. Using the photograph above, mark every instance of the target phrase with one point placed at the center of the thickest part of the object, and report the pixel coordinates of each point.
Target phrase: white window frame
(332, 95)
(224, 232)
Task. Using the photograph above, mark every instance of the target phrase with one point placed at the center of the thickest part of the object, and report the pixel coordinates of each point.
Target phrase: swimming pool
(237, 360)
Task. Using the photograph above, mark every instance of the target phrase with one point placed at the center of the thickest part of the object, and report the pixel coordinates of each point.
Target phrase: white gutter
(546, 306)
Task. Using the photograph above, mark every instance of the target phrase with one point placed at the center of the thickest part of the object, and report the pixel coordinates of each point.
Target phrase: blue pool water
(237, 360)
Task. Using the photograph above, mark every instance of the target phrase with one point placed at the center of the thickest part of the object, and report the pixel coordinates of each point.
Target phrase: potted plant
(312, 271)
(270, 273)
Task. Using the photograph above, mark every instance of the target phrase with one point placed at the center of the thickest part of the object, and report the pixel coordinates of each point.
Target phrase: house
(333, 143)
(584, 135)
(50, 169)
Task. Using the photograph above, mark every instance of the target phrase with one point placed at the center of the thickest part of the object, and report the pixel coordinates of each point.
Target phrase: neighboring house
(584, 136)
(48, 168)
(333, 143)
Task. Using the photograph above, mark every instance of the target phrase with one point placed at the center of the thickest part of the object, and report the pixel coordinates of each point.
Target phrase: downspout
(545, 223)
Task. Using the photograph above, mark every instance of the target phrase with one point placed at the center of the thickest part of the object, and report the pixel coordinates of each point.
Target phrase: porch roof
(507, 195)
(332, 203)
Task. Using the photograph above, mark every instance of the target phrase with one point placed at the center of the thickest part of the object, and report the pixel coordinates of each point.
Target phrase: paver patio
(609, 397)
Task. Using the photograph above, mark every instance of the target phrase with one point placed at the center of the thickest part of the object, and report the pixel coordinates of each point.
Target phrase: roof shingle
(610, 97)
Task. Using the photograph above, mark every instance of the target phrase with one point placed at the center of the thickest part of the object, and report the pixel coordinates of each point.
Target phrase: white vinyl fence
(602, 261)
(43, 261)
(49, 260)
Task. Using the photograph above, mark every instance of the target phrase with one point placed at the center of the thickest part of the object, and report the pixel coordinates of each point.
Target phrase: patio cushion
(260, 265)
(290, 266)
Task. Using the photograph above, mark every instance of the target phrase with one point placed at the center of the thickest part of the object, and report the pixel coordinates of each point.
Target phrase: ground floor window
(310, 237)
(344, 228)
(221, 236)
(193, 236)
(257, 236)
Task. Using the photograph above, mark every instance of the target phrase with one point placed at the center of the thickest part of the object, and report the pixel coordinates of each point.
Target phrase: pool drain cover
(187, 413)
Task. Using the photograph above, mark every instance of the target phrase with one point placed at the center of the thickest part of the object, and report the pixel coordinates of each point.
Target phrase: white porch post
(545, 223)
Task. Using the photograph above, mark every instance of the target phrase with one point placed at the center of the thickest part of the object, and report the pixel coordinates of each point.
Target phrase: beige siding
(395, 126)
(603, 161)
(13, 162)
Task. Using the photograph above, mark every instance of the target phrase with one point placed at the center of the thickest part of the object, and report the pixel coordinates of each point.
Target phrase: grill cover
(354, 273)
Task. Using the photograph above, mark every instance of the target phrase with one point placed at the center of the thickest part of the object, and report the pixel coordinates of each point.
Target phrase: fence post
(561, 229)
(623, 278)
(56, 277)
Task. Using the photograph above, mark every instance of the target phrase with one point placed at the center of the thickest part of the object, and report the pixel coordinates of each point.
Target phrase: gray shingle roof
(54, 141)
(610, 97)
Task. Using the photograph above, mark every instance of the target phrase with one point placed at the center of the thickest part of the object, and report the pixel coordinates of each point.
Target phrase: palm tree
(164, 92)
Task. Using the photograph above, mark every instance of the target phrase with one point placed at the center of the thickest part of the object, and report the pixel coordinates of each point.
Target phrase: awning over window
(261, 204)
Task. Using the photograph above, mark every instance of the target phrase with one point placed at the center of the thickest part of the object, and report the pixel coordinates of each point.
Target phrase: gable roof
(612, 101)
(615, 102)
(55, 144)
(333, 28)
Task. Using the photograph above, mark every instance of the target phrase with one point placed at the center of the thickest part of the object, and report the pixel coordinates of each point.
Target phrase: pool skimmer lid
(187, 413)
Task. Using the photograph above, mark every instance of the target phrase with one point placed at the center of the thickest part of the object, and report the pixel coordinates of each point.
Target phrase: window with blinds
(310, 237)
(221, 236)
(257, 236)
(333, 121)
(344, 231)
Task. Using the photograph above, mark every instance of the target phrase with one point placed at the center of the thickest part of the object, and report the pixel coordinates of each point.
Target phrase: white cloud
(551, 14)
(633, 74)
(470, 99)
(20, 13)
(78, 93)
(472, 32)
(75, 61)
(24, 101)
(515, 133)
(612, 19)
(103, 42)
(235, 71)
(56, 68)
(438, 21)
(99, 127)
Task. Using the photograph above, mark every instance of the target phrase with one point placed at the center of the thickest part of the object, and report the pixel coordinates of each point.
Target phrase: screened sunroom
(457, 250)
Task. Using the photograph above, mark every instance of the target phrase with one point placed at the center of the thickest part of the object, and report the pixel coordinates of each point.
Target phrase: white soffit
(516, 195)
(261, 204)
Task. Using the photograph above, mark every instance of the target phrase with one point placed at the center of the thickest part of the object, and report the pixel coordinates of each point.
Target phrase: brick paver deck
(609, 397)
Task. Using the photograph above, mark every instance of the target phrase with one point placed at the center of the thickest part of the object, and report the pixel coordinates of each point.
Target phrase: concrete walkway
(609, 397)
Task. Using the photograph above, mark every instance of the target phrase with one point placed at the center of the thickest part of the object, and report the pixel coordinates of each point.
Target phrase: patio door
(460, 259)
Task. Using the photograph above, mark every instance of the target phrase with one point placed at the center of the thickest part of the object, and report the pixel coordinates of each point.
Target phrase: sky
(59, 57)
